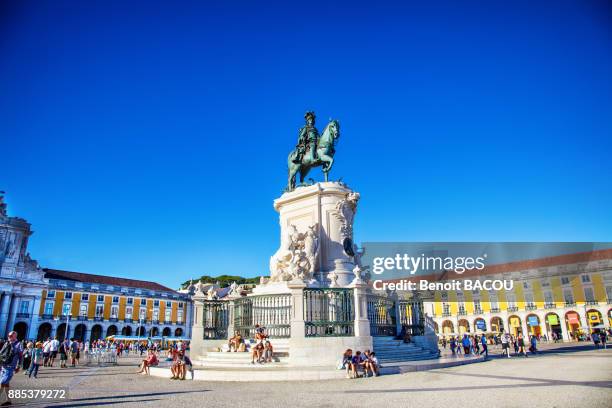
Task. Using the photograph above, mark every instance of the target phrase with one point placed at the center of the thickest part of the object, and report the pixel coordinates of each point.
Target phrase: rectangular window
(586, 278)
(83, 310)
(68, 295)
(85, 297)
(477, 307)
(115, 299)
(143, 314)
(24, 306)
(168, 315)
(568, 296)
(565, 280)
(49, 308)
(609, 293)
(511, 301)
(461, 308)
(548, 297)
(179, 316)
(100, 298)
(51, 294)
(493, 301)
(128, 312)
(169, 305)
(130, 301)
(114, 311)
(445, 309)
(156, 303)
(526, 285)
(143, 302)
(155, 314)
(589, 295)
(99, 310)
(66, 308)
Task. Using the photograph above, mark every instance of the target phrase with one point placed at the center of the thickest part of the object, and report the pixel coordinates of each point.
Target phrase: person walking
(74, 350)
(466, 345)
(485, 349)
(53, 348)
(64, 349)
(37, 360)
(534, 344)
(27, 357)
(11, 356)
(596, 339)
(520, 341)
(505, 341)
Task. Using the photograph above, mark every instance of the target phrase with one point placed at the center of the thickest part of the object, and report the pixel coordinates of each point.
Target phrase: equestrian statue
(312, 150)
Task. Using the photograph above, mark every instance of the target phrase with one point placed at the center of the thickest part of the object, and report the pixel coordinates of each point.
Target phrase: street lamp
(68, 316)
(140, 322)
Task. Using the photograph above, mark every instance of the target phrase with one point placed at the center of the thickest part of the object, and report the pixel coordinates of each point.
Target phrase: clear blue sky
(148, 140)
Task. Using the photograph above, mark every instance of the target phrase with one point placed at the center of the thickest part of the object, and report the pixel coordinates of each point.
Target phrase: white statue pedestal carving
(326, 211)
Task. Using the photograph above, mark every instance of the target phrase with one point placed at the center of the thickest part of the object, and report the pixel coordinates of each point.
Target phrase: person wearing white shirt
(53, 349)
(46, 352)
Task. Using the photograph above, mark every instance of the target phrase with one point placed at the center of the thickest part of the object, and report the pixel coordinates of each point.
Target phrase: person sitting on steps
(235, 342)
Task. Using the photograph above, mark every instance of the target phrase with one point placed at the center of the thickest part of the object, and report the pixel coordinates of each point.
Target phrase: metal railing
(381, 314)
(101, 357)
(270, 311)
(329, 312)
(550, 305)
(412, 317)
(216, 318)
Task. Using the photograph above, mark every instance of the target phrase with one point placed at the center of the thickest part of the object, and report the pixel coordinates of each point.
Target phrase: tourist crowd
(474, 344)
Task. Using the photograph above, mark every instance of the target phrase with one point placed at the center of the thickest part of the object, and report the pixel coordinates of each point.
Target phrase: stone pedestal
(331, 207)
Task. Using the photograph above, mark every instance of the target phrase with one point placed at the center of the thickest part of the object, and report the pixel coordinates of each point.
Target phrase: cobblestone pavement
(560, 377)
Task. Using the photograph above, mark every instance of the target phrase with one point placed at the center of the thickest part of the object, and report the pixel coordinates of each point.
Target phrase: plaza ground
(562, 376)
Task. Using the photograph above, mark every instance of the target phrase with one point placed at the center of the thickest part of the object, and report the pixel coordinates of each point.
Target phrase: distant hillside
(222, 280)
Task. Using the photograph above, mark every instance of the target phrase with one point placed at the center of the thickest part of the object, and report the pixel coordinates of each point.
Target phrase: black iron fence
(381, 314)
(273, 312)
(329, 312)
(412, 317)
(216, 318)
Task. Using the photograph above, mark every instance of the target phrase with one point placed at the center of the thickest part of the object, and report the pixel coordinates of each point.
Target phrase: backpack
(7, 353)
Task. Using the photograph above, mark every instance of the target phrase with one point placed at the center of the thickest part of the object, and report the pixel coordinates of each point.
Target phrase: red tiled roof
(104, 280)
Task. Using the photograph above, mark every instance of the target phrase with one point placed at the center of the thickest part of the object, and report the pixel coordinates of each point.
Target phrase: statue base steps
(263, 373)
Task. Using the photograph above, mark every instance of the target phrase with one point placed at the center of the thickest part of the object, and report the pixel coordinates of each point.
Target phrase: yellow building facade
(91, 307)
(567, 295)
